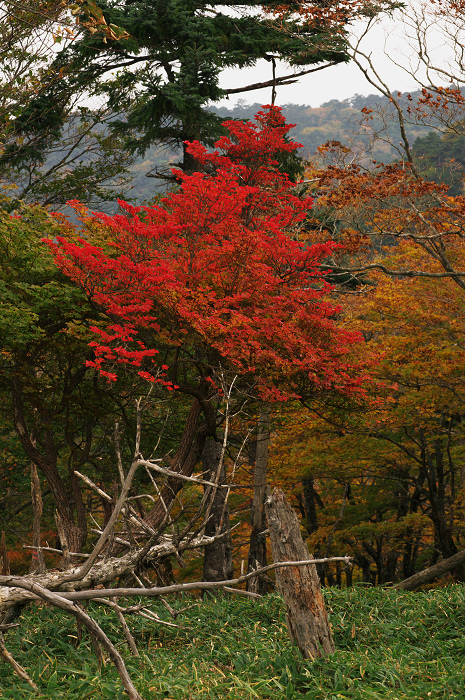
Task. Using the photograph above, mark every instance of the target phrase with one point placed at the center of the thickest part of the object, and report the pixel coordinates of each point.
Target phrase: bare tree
(126, 545)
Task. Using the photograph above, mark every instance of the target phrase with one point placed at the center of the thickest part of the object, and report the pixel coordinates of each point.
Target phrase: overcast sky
(337, 82)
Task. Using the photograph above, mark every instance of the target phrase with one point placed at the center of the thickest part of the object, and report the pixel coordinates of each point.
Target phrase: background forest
(264, 306)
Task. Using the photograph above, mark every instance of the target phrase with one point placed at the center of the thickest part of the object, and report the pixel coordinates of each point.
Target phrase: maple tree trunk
(306, 616)
(257, 547)
(217, 562)
(184, 461)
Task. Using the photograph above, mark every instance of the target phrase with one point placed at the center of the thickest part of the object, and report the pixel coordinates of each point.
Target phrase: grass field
(390, 646)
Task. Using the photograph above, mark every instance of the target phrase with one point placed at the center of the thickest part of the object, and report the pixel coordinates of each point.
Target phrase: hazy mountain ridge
(336, 120)
(340, 120)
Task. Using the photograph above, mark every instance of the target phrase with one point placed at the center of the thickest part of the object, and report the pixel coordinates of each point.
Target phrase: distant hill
(336, 120)
(339, 121)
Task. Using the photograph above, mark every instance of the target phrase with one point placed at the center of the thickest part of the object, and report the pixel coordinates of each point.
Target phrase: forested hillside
(334, 121)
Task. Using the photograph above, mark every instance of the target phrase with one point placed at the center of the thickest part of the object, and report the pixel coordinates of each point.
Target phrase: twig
(19, 670)
(93, 486)
(58, 551)
(240, 591)
(177, 475)
(127, 632)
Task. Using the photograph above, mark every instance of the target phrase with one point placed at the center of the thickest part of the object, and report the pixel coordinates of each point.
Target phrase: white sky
(337, 82)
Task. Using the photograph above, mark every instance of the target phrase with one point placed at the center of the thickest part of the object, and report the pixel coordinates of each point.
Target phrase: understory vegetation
(390, 645)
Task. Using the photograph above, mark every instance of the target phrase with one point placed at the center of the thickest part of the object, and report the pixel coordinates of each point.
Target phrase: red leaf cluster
(217, 267)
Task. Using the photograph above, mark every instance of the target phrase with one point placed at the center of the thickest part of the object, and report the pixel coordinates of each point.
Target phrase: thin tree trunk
(306, 617)
(218, 562)
(47, 461)
(183, 462)
(257, 547)
(37, 561)
(4, 561)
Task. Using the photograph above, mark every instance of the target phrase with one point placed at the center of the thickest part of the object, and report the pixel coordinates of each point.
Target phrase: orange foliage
(385, 483)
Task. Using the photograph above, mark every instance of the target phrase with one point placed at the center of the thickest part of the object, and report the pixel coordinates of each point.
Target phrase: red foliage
(217, 268)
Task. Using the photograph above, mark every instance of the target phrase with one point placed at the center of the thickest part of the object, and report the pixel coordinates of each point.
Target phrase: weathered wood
(37, 561)
(427, 575)
(103, 571)
(17, 668)
(306, 617)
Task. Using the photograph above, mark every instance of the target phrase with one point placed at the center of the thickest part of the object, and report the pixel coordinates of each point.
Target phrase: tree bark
(431, 573)
(257, 547)
(306, 617)
(37, 561)
(4, 561)
(183, 462)
(217, 562)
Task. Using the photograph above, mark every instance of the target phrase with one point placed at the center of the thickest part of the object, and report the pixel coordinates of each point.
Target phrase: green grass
(390, 646)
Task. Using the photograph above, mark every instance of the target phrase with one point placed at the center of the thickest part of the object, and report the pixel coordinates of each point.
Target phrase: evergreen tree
(441, 158)
(159, 62)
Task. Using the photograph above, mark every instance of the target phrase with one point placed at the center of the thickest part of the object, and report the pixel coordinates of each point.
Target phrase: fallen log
(103, 571)
(27, 582)
(427, 575)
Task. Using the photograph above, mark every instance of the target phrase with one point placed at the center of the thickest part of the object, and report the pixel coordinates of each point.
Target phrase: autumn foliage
(218, 271)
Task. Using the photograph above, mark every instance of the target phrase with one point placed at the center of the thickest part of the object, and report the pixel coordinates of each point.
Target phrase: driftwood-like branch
(241, 592)
(56, 551)
(427, 575)
(119, 613)
(17, 668)
(15, 582)
(176, 475)
(102, 571)
(93, 486)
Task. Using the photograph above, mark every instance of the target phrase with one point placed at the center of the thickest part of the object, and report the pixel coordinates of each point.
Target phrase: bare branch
(12, 582)
(282, 80)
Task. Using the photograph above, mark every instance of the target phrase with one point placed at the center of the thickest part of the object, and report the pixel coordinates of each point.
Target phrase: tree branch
(283, 80)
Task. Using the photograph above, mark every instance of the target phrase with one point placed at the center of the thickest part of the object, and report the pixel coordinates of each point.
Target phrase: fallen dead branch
(102, 571)
(432, 572)
(17, 668)
(27, 583)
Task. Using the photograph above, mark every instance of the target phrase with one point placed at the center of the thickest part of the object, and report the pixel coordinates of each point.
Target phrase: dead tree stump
(306, 616)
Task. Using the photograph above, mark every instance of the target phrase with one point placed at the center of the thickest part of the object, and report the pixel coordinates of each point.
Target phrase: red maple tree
(217, 270)
(217, 278)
